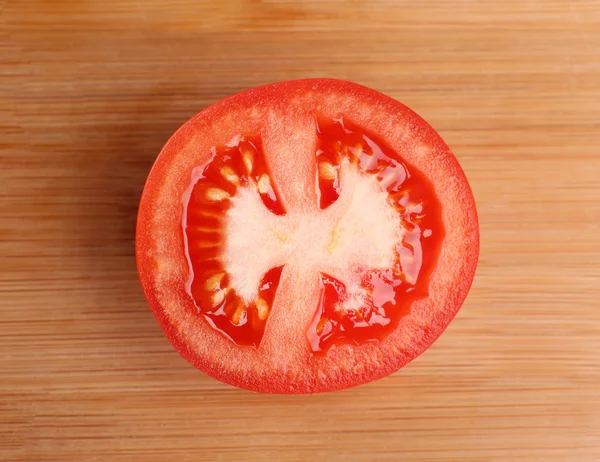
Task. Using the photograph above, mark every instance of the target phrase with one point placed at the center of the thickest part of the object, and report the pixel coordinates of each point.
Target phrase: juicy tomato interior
(367, 311)
(229, 168)
(385, 295)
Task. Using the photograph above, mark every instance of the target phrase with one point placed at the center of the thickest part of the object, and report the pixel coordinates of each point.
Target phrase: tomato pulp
(305, 236)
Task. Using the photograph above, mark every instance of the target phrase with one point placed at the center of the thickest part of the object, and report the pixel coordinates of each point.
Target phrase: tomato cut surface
(305, 236)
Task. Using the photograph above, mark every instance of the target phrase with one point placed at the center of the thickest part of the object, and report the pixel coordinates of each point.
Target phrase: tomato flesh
(290, 240)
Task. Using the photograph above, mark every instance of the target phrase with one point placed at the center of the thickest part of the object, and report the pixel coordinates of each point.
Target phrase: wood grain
(90, 91)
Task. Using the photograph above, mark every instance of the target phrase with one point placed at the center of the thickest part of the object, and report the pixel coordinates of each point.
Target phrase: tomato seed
(212, 283)
(216, 194)
(262, 308)
(264, 184)
(327, 171)
(248, 160)
(230, 175)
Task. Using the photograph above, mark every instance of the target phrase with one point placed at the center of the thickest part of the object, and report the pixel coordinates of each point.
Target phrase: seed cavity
(356, 152)
(414, 208)
(399, 207)
(388, 177)
(378, 292)
(368, 161)
(235, 169)
(409, 226)
(408, 259)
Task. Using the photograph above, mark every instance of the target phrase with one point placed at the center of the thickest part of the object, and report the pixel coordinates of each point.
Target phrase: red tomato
(305, 236)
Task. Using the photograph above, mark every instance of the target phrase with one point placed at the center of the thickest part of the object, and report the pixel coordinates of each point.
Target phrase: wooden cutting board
(92, 89)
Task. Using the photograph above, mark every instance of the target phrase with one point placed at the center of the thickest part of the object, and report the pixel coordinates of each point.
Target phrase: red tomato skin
(163, 279)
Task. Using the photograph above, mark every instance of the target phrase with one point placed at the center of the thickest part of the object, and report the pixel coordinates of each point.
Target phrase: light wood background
(92, 89)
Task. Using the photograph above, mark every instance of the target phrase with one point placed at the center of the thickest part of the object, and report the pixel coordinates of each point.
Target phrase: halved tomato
(305, 236)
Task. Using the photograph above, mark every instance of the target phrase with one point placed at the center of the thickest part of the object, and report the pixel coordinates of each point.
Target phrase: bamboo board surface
(92, 89)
